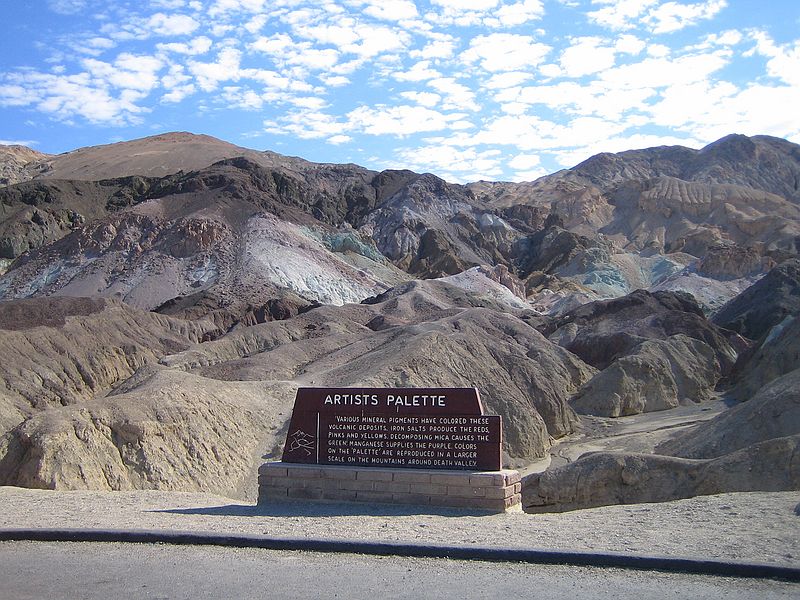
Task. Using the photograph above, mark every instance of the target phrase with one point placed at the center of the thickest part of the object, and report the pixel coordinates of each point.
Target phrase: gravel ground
(751, 527)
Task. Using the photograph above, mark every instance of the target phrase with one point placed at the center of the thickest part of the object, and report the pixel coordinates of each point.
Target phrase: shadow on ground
(323, 509)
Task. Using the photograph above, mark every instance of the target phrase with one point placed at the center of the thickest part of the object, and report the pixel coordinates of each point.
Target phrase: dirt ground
(752, 527)
(759, 527)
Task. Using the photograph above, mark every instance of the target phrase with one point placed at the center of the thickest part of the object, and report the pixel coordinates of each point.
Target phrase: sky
(467, 89)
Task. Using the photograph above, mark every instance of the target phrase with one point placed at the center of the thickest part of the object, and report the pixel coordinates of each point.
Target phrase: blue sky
(466, 89)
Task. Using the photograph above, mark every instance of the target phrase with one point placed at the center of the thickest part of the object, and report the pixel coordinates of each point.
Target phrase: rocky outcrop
(606, 478)
(431, 228)
(656, 375)
(19, 163)
(734, 262)
(60, 351)
(765, 304)
(420, 334)
(754, 446)
(777, 355)
(603, 331)
(205, 240)
(774, 412)
(758, 162)
(554, 247)
(235, 247)
(174, 431)
(669, 215)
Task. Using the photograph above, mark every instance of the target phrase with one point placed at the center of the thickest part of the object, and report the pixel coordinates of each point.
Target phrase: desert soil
(751, 527)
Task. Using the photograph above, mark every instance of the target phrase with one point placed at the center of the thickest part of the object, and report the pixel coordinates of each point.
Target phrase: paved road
(115, 570)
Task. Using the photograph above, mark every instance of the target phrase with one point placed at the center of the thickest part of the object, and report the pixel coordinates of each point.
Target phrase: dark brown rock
(600, 332)
(764, 304)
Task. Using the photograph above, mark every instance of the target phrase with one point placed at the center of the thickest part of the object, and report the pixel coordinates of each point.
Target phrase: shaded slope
(421, 334)
(765, 304)
(59, 351)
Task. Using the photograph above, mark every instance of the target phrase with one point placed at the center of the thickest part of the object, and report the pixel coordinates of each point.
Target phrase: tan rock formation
(60, 351)
(773, 412)
(174, 431)
(606, 478)
(656, 375)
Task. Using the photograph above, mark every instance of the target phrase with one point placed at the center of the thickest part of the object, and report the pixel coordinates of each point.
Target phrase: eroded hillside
(163, 298)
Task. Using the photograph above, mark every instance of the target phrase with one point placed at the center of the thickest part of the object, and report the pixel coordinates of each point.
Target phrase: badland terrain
(162, 299)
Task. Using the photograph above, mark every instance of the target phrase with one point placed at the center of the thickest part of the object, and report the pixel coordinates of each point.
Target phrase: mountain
(163, 296)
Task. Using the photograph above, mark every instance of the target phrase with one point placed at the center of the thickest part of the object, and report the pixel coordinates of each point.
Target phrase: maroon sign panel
(434, 428)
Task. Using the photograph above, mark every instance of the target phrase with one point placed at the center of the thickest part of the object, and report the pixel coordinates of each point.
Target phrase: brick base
(494, 491)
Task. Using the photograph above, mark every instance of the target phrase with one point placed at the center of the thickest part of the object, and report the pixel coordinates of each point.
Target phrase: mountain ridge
(270, 272)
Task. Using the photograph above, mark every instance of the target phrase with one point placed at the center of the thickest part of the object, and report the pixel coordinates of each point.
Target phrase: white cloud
(572, 98)
(710, 111)
(454, 164)
(278, 44)
(456, 6)
(286, 52)
(162, 24)
(440, 48)
(428, 99)
(662, 72)
(334, 80)
(550, 70)
(519, 13)
(420, 71)
(374, 40)
(308, 125)
(507, 80)
(28, 143)
(673, 16)
(658, 50)
(175, 76)
(505, 52)
(629, 44)
(65, 97)
(525, 161)
(486, 13)
(242, 98)
(178, 93)
(67, 7)
(587, 55)
(619, 14)
(337, 140)
(210, 75)
(199, 45)
(401, 120)
(255, 24)
(456, 95)
(129, 71)
(731, 37)
(783, 60)
(340, 34)
(390, 10)
(92, 46)
(309, 102)
(658, 16)
(225, 7)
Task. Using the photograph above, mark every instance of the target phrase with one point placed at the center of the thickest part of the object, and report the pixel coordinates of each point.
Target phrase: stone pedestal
(494, 491)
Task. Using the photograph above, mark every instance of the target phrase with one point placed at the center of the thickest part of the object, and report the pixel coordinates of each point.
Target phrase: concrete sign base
(495, 491)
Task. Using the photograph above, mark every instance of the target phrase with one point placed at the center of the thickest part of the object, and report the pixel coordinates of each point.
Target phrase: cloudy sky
(466, 89)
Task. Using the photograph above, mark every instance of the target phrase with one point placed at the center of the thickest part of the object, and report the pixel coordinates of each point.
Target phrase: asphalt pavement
(89, 570)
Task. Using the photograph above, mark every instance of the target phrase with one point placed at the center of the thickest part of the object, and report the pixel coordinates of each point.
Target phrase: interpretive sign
(438, 428)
